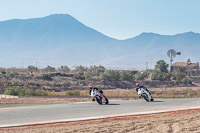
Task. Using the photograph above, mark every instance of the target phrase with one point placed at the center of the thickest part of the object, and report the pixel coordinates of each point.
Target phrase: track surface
(76, 111)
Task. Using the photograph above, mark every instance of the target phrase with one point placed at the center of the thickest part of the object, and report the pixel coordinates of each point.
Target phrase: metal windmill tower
(172, 54)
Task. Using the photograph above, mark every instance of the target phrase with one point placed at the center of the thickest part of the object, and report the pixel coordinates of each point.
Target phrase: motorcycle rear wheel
(107, 102)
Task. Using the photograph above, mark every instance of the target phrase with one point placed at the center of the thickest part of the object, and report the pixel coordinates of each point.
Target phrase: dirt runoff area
(184, 121)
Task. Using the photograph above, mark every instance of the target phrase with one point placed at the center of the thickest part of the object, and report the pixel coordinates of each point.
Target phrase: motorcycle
(100, 98)
(145, 94)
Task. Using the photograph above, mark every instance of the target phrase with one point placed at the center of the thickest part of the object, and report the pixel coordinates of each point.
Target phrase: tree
(161, 66)
(179, 74)
(49, 69)
(64, 69)
(32, 69)
(140, 75)
(96, 70)
(80, 68)
(126, 75)
(99, 69)
(157, 75)
(160, 71)
(110, 75)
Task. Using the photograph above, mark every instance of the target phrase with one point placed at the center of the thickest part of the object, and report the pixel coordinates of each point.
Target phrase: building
(188, 66)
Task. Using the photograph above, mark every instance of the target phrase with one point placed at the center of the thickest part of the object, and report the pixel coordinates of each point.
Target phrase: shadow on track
(112, 104)
(158, 101)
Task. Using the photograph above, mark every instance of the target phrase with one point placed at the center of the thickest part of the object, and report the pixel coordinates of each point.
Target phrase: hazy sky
(119, 19)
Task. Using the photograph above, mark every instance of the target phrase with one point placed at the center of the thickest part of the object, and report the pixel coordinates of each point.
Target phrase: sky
(120, 19)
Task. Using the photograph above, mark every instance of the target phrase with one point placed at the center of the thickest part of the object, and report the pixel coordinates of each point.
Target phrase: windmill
(172, 54)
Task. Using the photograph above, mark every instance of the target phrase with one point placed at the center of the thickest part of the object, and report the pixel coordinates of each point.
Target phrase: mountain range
(61, 39)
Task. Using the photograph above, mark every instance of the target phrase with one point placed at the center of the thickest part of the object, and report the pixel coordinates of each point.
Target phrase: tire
(145, 97)
(152, 99)
(98, 99)
(107, 102)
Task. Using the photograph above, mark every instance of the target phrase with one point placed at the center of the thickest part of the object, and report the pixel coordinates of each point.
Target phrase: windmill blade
(172, 53)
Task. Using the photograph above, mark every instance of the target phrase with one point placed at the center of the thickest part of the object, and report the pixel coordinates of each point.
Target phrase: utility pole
(36, 63)
(147, 66)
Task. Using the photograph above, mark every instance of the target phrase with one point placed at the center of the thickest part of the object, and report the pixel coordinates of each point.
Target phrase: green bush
(12, 91)
(88, 76)
(40, 93)
(64, 69)
(179, 76)
(157, 75)
(140, 75)
(32, 69)
(110, 75)
(16, 91)
(49, 69)
(161, 66)
(80, 76)
(126, 75)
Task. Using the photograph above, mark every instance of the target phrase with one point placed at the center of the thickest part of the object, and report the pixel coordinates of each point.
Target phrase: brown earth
(183, 121)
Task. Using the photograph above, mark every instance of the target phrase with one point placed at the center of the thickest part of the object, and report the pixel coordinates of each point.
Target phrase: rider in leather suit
(92, 87)
(141, 86)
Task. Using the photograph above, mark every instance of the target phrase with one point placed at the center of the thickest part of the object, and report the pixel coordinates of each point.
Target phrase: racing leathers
(141, 86)
(97, 90)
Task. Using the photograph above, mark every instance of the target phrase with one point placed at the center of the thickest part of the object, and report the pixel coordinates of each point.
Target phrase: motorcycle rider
(141, 86)
(92, 87)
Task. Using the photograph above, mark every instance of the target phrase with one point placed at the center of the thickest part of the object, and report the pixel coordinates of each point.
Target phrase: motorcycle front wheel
(98, 99)
(145, 97)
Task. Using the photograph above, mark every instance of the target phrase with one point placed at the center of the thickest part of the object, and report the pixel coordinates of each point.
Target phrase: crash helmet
(91, 87)
(137, 84)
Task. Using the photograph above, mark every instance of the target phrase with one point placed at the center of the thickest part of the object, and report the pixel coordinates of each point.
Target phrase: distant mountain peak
(61, 36)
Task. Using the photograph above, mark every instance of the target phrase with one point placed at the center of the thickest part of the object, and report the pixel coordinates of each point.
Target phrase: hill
(60, 39)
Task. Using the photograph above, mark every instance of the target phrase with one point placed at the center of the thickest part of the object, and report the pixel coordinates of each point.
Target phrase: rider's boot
(93, 99)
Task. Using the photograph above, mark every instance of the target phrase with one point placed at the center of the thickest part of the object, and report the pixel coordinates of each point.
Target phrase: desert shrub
(80, 76)
(100, 69)
(12, 91)
(72, 93)
(64, 69)
(157, 75)
(80, 68)
(2, 72)
(26, 92)
(96, 70)
(32, 69)
(49, 69)
(141, 75)
(179, 76)
(126, 75)
(88, 76)
(47, 77)
(110, 75)
(41, 93)
(16, 91)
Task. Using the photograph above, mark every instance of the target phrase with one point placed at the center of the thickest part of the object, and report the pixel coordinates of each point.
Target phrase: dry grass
(156, 92)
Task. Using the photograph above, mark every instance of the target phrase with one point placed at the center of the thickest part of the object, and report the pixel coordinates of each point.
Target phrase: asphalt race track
(16, 116)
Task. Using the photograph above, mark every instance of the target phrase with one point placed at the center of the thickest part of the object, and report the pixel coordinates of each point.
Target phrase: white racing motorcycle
(145, 94)
(100, 98)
